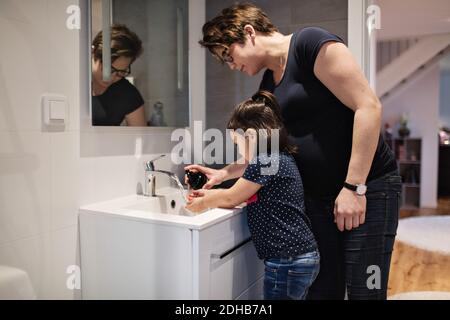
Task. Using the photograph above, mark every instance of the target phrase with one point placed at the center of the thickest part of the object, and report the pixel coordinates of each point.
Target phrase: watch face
(361, 189)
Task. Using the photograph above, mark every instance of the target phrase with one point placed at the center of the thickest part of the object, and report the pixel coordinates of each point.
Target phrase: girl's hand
(196, 200)
(196, 204)
(195, 194)
(201, 193)
(214, 176)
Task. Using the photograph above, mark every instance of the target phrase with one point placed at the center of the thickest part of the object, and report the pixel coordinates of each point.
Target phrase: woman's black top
(111, 107)
(318, 123)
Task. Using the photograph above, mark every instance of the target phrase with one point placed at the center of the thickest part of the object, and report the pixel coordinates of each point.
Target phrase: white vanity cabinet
(131, 254)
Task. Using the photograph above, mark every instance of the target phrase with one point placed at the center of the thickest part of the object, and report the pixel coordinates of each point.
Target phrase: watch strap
(350, 186)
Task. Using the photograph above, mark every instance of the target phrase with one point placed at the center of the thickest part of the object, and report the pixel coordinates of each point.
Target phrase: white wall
(445, 98)
(46, 176)
(413, 18)
(445, 92)
(420, 100)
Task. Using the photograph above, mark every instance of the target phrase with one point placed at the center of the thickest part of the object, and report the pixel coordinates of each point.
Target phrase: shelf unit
(408, 153)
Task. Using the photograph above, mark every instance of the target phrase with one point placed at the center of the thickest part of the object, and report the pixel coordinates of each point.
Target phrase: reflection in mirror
(149, 83)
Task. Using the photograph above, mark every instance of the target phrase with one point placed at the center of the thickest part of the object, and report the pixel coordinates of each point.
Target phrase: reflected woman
(116, 100)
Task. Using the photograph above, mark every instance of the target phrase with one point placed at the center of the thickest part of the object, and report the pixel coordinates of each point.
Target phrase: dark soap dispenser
(196, 179)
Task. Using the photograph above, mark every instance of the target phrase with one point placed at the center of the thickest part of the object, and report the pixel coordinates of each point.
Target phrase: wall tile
(279, 12)
(32, 12)
(319, 10)
(64, 252)
(65, 179)
(64, 57)
(24, 185)
(24, 74)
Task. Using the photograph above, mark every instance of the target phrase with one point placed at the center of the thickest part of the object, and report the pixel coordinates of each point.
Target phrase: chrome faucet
(150, 177)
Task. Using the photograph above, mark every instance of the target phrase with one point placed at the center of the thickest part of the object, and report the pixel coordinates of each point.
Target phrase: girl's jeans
(290, 278)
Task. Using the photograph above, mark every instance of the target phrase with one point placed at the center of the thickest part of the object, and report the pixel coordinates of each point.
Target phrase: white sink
(172, 202)
(166, 208)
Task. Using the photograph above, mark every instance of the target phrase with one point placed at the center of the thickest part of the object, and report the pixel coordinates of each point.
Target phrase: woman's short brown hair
(124, 43)
(228, 27)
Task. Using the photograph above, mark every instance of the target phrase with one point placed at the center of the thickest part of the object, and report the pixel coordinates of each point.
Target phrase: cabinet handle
(228, 252)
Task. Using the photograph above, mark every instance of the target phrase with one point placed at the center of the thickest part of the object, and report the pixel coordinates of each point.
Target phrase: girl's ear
(251, 134)
(233, 135)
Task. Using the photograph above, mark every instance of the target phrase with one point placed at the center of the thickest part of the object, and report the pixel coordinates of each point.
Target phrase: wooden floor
(413, 269)
(442, 209)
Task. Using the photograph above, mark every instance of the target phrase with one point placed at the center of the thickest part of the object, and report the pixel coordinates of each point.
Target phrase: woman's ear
(249, 30)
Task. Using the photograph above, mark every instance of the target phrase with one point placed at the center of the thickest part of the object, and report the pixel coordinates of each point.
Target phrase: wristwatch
(360, 189)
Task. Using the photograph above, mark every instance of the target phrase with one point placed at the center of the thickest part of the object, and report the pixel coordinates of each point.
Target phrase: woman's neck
(97, 89)
(276, 51)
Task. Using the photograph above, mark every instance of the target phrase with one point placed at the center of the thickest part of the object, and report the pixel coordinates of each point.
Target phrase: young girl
(272, 187)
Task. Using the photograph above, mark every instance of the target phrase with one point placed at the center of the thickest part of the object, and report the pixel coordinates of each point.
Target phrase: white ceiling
(411, 18)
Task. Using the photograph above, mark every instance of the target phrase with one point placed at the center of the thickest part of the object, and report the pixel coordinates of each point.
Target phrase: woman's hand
(214, 176)
(349, 210)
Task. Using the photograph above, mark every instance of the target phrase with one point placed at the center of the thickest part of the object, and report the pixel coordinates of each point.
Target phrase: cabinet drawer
(228, 263)
(235, 273)
(226, 235)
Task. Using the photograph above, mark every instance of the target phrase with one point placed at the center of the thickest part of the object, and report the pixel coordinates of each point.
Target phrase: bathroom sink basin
(173, 202)
(168, 207)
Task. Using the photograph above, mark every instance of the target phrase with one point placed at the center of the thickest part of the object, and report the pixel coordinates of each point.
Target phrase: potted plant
(404, 131)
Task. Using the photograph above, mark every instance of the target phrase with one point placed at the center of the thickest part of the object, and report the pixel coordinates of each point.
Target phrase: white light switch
(57, 110)
(54, 110)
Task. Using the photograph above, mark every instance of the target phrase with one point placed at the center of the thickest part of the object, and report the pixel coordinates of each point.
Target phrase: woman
(116, 100)
(350, 176)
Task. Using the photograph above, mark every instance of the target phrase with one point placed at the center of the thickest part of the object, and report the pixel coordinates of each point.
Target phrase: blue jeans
(290, 278)
(347, 257)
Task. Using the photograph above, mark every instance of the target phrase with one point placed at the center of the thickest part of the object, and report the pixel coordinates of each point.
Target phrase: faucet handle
(149, 164)
(158, 157)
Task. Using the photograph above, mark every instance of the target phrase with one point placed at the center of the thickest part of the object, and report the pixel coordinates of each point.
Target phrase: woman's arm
(136, 118)
(235, 169)
(215, 177)
(336, 68)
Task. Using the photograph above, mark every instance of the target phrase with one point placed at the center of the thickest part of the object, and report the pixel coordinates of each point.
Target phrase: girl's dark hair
(262, 112)
(124, 43)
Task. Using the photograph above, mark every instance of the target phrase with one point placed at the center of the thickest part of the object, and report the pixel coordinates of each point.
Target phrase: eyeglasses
(226, 57)
(121, 73)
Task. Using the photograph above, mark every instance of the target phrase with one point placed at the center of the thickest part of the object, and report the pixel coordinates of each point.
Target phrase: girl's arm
(241, 191)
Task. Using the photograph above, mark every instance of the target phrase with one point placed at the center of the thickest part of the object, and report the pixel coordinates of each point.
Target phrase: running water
(180, 187)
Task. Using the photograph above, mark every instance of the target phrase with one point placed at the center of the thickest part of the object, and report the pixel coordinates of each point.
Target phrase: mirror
(148, 88)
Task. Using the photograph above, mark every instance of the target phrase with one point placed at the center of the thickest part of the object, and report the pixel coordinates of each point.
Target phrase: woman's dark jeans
(358, 260)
